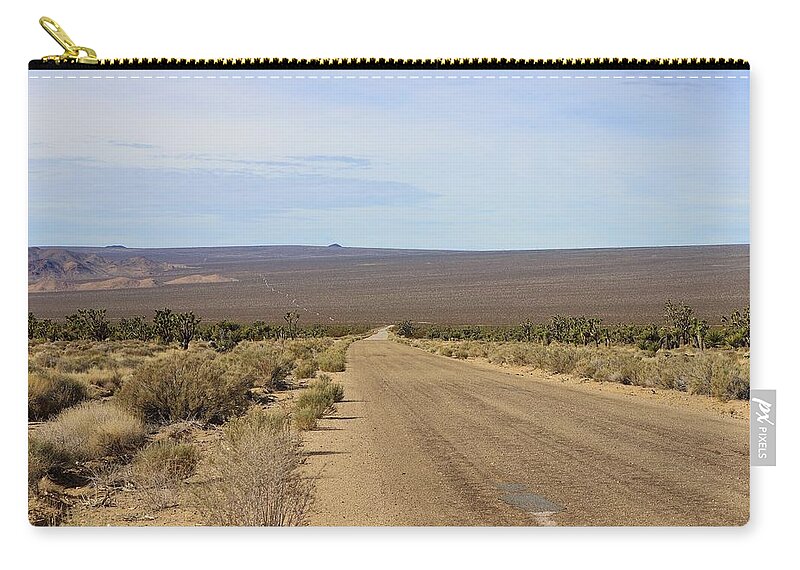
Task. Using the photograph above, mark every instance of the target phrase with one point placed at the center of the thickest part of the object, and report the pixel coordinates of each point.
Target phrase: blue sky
(443, 160)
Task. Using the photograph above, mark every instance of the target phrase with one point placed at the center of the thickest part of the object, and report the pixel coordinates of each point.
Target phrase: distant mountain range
(58, 269)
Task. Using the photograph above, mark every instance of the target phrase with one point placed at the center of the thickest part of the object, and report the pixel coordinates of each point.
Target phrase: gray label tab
(762, 427)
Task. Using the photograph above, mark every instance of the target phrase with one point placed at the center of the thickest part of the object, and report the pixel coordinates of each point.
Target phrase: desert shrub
(700, 376)
(593, 366)
(737, 386)
(320, 402)
(316, 401)
(626, 368)
(255, 477)
(40, 462)
(79, 360)
(709, 374)
(179, 431)
(730, 380)
(105, 478)
(108, 381)
(263, 365)
(405, 329)
(561, 360)
(50, 392)
(305, 369)
(89, 431)
(273, 420)
(158, 469)
(328, 387)
(42, 357)
(332, 360)
(307, 348)
(671, 372)
(185, 386)
(304, 419)
(477, 350)
(714, 338)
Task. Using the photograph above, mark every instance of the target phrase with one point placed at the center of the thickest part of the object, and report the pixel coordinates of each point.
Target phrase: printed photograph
(398, 297)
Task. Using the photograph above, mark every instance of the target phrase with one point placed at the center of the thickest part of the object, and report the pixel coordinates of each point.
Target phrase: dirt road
(426, 440)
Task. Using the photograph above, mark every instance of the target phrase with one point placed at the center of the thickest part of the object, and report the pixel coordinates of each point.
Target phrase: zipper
(79, 57)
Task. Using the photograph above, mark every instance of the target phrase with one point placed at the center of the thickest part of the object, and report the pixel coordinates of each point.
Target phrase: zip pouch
(385, 292)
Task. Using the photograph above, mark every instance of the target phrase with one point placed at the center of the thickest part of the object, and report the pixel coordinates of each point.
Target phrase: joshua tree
(590, 330)
(34, 327)
(738, 327)
(291, 319)
(699, 330)
(90, 324)
(164, 325)
(406, 329)
(134, 328)
(559, 328)
(527, 331)
(225, 335)
(679, 317)
(186, 328)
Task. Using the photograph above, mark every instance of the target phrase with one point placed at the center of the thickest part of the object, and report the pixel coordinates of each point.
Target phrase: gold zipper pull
(72, 53)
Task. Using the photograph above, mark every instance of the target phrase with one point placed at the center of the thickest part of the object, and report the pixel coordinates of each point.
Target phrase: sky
(470, 159)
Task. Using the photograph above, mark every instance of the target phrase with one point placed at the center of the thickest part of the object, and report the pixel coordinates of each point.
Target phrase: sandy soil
(427, 440)
(351, 285)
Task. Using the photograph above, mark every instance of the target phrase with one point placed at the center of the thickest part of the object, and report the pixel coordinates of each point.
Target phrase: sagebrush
(184, 385)
(255, 476)
(89, 431)
(159, 469)
(50, 392)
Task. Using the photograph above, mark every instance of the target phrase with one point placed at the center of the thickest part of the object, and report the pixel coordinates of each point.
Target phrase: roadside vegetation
(315, 401)
(682, 353)
(254, 476)
(165, 422)
(169, 328)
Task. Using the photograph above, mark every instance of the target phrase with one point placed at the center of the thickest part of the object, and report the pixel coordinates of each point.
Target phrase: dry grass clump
(90, 431)
(261, 364)
(50, 392)
(255, 477)
(305, 419)
(723, 378)
(273, 420)
(79, 359)
(82, 356)
(101, 382)
(327, 386)
(316, 401)
(305, 369)
(160, 468)
(333, 360)
(307, 348)
(184, 385)
(320, 403)
(39, 465)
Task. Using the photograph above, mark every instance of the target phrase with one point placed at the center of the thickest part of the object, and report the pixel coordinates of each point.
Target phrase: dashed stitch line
(390, 77)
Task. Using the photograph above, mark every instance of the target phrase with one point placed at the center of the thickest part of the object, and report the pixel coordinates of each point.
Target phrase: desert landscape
(389, 298)
(380, 286)
(292, 385)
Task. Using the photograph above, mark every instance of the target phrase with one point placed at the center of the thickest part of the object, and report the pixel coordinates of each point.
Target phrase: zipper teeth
(390, 63)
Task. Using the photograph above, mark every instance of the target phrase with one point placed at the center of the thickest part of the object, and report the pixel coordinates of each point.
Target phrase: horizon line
(336, 245)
